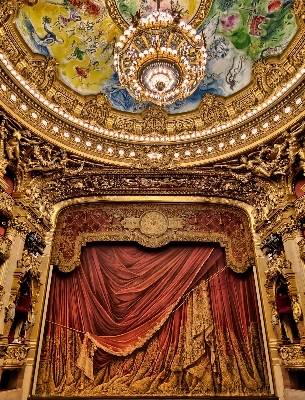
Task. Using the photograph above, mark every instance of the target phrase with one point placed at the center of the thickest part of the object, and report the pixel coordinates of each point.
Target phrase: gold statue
(12, 146)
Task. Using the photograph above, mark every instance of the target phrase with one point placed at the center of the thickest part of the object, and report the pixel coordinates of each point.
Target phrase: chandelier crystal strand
(160, 60)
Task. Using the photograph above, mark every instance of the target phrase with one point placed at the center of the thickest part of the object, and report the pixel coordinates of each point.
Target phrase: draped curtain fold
(160, 321)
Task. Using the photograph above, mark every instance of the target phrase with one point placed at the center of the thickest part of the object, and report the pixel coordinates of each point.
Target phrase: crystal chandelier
(160, 59)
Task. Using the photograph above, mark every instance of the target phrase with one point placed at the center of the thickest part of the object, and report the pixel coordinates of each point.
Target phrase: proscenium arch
(185, 201)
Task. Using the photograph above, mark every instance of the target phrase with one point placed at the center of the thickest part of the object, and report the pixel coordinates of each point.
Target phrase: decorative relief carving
(154, 121)
(275, 268)
(5, 248)
(18, 227)
(290, 229)
(153, 223)
(15, 356)
(7, 204)
(292, 356)
(40, 73)
(8, 9)
(96, 110)
(212, 111)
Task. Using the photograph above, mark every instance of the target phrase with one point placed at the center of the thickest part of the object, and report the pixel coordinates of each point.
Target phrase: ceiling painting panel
(80, 34)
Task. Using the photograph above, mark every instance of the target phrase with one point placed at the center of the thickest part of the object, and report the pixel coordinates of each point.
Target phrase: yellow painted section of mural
(80, 37)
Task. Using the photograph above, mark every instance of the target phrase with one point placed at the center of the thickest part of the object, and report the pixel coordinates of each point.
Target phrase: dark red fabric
(284, 304)
(23, 304)
(120, 293)
(122, 288)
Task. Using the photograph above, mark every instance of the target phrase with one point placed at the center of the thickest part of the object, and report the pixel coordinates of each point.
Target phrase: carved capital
(290, 230)
(300, 208)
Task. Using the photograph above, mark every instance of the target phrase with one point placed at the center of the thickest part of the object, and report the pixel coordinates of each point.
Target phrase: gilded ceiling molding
(47, 174)
(152, 225)
(270, 104)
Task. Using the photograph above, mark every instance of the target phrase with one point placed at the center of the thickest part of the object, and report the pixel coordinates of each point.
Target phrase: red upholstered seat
(284, 304)
(23, 304)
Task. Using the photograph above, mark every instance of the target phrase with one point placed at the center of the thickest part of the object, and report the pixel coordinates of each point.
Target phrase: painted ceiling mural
(80, 34)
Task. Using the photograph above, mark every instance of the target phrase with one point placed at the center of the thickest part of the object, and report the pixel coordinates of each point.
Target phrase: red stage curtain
(155, 323)
(122, 294)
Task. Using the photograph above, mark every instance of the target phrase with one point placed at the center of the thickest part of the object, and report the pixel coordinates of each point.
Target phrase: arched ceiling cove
(57, 79)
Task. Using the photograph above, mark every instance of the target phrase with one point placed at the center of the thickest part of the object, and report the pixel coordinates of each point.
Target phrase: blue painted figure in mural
(41, 43)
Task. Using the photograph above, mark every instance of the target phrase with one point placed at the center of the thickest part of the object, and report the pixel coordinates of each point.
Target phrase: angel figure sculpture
(252, 166)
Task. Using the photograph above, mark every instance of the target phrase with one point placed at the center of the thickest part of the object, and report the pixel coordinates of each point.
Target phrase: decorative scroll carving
(40, 73)
(15, 356)
(97, 110)
(212, 111)
(292, 356)
(154, 121)
(152, 226)
(8, 9)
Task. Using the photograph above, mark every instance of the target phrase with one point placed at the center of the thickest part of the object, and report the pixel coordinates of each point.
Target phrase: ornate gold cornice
(243, 121)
